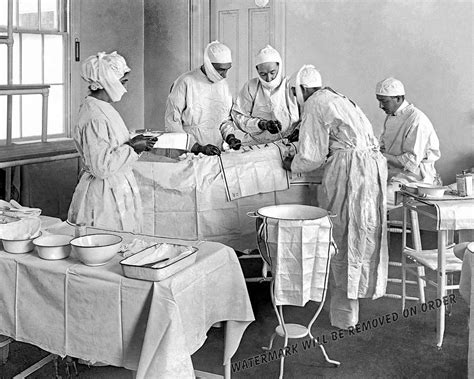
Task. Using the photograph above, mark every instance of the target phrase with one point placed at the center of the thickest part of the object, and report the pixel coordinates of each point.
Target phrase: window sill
(37, 152)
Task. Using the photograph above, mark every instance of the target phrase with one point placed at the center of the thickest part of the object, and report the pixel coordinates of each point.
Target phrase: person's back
(348, 126)
(334, 132)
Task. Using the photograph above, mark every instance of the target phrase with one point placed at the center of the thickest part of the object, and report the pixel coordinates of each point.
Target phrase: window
(39, 56)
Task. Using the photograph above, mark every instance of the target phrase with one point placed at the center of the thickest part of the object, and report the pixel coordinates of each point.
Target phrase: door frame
(200, 30)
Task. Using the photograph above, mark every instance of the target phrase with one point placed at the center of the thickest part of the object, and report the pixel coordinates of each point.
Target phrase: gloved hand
(287, 163)
(142, 143)
(294, 136)
(272, 126)
(233, 142)
(206, 149)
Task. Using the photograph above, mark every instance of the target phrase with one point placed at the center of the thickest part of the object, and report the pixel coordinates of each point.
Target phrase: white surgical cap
(266, 55)
(390, 87)
(215, 52)
(104, 71)
(219, 53)
(308, 77)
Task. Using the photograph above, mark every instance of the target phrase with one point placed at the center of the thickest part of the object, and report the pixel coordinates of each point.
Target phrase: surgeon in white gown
(200, 102)
(408, 141)
(335, 132)
(107, 194)
(265, 109)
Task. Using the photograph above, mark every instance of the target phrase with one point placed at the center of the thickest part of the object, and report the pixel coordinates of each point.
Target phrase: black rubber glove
(234, 143)
(287, 163)
(142, 143)
(206, 149)
(293, 137)
(271, 126)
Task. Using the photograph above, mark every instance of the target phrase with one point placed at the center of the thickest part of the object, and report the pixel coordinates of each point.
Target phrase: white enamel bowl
(430, 190)
(96, 249)
(19, 246)
(53, 246)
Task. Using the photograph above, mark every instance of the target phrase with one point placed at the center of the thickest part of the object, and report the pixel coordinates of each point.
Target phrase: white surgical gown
(410, 136)
(256, 103)
(107, 194)
(336, 132)
(200, 108)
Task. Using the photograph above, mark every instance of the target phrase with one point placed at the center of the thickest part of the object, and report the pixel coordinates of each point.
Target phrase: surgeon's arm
(414, 148)
(313, 144)
(175, 105)
(103, 157)
(241, 110)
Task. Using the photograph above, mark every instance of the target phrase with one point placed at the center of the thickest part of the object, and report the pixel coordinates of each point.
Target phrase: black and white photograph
(205, 189)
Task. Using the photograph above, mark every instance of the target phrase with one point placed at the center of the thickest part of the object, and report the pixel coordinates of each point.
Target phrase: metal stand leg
(441, 290)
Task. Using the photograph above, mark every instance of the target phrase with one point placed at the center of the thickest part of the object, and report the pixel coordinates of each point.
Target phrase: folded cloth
(134, 247)
(14, 209)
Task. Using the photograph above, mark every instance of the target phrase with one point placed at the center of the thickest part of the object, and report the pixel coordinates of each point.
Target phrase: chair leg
(416, 238)
(270, 344)
(335, 363)
(404, 280)
(450, 280)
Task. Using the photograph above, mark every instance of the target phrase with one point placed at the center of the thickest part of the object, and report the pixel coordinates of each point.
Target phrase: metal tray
(134, 268)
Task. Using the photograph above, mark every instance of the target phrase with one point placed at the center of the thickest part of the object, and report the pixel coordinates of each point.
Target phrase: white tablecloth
(97, 314)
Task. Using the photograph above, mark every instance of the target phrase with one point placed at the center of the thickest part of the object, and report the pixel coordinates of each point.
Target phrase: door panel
(245, 28)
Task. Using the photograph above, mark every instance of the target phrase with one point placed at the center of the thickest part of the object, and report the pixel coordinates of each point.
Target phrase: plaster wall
(428, 45)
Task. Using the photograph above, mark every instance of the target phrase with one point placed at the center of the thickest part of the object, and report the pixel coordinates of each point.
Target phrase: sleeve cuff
(408, 164)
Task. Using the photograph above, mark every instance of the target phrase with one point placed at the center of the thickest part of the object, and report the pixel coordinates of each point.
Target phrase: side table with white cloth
(442, 215)
(97, 314)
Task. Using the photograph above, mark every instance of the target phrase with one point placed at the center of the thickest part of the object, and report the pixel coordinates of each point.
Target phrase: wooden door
(245, 28)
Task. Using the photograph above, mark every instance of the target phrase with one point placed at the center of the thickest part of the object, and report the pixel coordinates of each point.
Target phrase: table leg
(227, 370)
(441, 290)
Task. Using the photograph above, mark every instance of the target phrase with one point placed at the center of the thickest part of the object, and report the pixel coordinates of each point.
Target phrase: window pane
(3, 13)
(31, 106)
(49, 14)
(16, 117)
(16, 58)
(53, 59)
(31, 66)
(3, 64)
(28, 14)
(56, 110)
(15, 13)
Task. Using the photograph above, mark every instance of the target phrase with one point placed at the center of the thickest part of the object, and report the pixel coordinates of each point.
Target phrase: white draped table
(97, 314)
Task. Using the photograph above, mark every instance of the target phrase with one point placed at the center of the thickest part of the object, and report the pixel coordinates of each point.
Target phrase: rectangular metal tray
(175, 264)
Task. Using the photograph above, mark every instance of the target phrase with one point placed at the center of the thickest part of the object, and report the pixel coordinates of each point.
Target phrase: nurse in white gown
(200, 102)
(265, 105)
(107, 194)
(335, 132)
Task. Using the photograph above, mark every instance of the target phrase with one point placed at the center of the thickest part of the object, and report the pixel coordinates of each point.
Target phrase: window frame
(64, 30)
